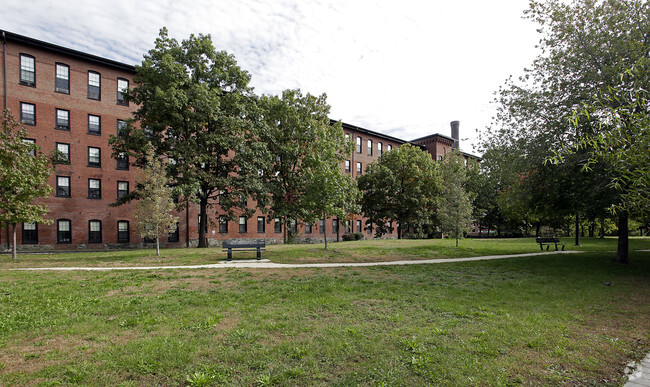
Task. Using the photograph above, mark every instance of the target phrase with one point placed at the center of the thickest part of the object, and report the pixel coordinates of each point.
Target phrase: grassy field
(560, 319)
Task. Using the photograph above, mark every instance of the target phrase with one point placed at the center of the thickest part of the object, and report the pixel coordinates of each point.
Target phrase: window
(293, 226)
(27, 113)
(358, 144)
(369, 147)
(347, 137)
(63, 186)
(205, 226)
(122, 189)
(277, 227)
(94, 231)
(308, 228)
(173, 235)
(30, 142)
(242, 224)
(122, 163)
(321, 226)
(261, 225)
(94, 189)
(379, 149)
(63, 231)
(122, 231)
(62, 119)
(62, 78)
(347, 166)
(347, 227)
(121, 127)
(94, 124)
(223, 224)
(30, 233)
(63, 157)
(242, 201)
(369, 229)
(358, 226)
(222, 196)
(122, 86)
(94, 159)
(359, 169)
(439, 157)
(335, 226)
(94, 85)
(27, 70)
(389, 147)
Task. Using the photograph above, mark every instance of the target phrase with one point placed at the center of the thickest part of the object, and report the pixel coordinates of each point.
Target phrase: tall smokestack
(455, 134)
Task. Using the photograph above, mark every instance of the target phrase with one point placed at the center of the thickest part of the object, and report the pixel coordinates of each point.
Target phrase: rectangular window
(308, 228)
(347, 166)
(63, 186)
(122, 189)
(389, 148)
(122, 163)
(222, 196)
(261, 225)
(347, 227)
(293, 226)
(94, 85)
(223, 224)
(369, 147)
(94, 189)
(94, 124)
(277, 227)
(27, 113)
(121, 127)
(321, 226)
(63, 156)
(335, 226)
(63, 231)
(30, 233)
(347, 137)
(369, 229)
(379, 149)
(122, 231)
(242, 201)
(62, 119)
(358, 144)
(243, 227)
(30, 142)
(173, 236)
(62, 78)
(94, 157)
(27, 70)
(358, 226)
(94, 231)
(122, 87)
(359, 169)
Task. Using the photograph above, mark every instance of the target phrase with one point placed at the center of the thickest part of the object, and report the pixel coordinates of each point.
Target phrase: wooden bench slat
(257, 245)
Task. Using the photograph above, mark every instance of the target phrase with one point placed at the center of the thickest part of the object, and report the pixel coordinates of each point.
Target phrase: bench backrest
(548, 240)
(244, 244)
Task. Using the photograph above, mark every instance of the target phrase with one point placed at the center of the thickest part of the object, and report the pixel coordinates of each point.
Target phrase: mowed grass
(358, 251)
(558, 319)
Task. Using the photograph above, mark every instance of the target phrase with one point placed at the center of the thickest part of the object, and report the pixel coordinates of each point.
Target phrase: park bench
(248, 245)
(548, 241)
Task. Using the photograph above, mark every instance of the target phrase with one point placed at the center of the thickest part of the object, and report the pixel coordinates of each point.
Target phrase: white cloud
(403, 68)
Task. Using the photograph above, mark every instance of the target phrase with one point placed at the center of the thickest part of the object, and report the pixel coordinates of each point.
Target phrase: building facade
(71, 101)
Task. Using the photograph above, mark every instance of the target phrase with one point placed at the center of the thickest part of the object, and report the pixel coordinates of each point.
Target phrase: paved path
(266, 264)
(641, 375)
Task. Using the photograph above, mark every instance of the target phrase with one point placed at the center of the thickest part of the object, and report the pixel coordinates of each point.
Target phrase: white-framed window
(122, 87)
(62, 78)
(94, 85)
(27, 70)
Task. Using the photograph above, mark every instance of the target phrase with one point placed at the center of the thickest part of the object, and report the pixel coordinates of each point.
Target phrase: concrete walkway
(640, 377)
(266, 264)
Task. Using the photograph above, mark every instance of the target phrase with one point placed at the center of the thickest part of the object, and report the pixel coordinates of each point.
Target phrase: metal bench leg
(541, 247)
(259, 254)
(229, 254)
(556, 247)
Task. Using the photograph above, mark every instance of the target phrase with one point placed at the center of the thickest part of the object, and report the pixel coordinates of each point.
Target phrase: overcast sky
(403, 68)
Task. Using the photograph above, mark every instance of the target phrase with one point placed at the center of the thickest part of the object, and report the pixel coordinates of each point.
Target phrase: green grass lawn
(528, 320)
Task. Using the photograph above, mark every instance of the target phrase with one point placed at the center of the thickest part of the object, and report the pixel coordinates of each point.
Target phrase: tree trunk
(203, 204)
(526, 227)
(602, 228)
(538, 229)
(284, 234)
(577, 229)
(325, 230)
(592, 228)
(157, 246)
(14, 254)
(623, 232)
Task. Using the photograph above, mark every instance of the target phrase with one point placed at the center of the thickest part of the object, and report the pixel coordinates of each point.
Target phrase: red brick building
(71, 101)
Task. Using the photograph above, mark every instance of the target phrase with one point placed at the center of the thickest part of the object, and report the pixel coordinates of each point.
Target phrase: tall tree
(586, 45)
(196, 109)
(403, 187)
(23, 178)
(153, 212)
(455, 211)
(304, 150)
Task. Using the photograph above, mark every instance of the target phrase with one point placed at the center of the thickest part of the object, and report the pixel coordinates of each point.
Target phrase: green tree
(23, 178)
(305, 151)
(195, 107)
(585, 47)
(455, 211)
(403, 186)
(153, 212)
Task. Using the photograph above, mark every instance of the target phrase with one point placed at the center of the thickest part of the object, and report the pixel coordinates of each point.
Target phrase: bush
(348, 237)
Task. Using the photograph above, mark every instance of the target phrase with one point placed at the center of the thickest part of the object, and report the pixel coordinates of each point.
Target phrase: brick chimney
(455, 134)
